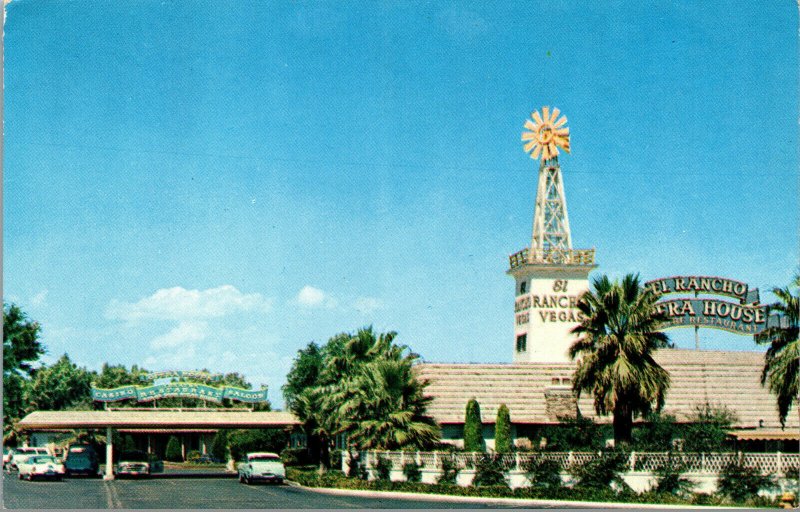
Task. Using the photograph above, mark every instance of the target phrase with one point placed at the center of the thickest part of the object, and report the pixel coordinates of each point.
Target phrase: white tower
(550, 275)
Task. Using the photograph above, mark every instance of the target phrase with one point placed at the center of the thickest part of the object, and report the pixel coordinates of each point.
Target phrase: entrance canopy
(765, 435)
(156, 419)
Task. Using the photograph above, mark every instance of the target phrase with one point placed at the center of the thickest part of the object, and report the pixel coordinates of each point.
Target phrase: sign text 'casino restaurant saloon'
(745, 317)
(179, 390)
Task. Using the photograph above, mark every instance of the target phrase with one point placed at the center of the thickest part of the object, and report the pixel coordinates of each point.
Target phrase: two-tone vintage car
(261, 466)
(40, 466)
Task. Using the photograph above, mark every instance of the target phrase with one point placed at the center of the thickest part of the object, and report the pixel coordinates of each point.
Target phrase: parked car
(134, 463)
(7, 453)
(40, 466)
(81, 459)
(206, 459)
(21, 453)
(262, 466)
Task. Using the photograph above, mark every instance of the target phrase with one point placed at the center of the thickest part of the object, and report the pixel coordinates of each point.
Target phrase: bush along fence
(638, 470)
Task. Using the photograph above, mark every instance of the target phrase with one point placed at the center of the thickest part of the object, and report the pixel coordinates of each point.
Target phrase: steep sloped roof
(732, 379)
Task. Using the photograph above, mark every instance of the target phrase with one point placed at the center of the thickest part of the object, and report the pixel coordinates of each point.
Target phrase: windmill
(544, 135)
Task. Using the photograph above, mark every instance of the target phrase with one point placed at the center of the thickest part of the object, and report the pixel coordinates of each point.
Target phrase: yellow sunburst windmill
(546, 133)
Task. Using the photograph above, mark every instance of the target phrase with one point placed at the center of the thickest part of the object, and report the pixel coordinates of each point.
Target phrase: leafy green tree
(244, 441)
(708, 428)
(502, 430)
(473, 428)
(21, 349)
(412, 472)
(618, 335)
(304, 373)
(383, 468)
(60, 386)
(173, 451)
(781, 359)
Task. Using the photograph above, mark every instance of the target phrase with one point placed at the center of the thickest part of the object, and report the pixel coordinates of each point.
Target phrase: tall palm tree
(618, 334)
(781, 359)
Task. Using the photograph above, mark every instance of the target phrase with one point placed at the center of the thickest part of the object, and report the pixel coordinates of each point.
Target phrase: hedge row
(336, 479)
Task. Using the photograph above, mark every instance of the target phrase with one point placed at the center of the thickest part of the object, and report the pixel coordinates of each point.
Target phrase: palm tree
(781, 359)
(384, 408)
(618, 335)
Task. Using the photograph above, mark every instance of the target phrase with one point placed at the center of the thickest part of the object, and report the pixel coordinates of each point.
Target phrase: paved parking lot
(187, 491)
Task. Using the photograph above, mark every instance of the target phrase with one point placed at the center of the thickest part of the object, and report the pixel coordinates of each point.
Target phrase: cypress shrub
(219, 446)
(473, 428)
(173, 452)
(502, 430)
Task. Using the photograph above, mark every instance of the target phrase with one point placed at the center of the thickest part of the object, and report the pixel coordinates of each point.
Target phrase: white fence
(776, 464)
(702, 469)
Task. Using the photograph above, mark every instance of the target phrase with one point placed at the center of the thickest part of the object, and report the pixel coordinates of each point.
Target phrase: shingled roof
(537, 393)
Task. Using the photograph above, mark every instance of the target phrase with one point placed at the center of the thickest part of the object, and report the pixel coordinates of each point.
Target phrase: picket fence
(638, 462)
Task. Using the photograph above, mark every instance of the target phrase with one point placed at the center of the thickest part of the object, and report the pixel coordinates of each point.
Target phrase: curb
(519, 502)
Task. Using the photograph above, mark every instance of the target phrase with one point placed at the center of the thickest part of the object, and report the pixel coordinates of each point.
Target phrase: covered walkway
(150, 418)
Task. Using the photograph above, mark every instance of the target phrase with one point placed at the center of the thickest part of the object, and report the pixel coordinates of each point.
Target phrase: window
(523, 286)
(522, 342)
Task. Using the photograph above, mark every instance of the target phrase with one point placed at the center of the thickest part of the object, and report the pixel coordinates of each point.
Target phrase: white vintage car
(261, 466)
(19, 454)
(40, 466)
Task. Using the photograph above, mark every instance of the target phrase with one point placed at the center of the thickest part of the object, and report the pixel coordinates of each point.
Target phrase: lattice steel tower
(550, 275)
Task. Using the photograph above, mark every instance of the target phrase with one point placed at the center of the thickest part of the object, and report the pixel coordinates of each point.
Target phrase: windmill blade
(545, 114)
(536, 117)
(528, 136)
(536, 151)
(561, 122)
(562, 142)
(553, 148)
(546, 152)
(529, 125)
(554, 115)
(527, 147)
(562, 132)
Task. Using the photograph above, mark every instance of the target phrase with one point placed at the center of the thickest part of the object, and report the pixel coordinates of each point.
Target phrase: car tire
(241, 478)
(20, 476)
(279, 481)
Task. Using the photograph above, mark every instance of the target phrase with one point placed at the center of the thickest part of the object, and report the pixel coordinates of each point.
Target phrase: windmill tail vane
(545, 133)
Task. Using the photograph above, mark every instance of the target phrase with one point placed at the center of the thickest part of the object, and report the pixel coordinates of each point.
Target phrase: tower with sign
(550, 275)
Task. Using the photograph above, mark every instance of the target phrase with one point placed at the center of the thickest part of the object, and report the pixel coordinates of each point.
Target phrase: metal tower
(551, 241)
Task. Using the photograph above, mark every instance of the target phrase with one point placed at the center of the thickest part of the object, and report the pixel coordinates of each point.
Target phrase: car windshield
(264, 457)
(133, 457)
(43, 459)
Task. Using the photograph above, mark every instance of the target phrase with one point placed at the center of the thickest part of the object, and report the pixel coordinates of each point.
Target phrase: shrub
(490, 471)
(295, 457)
(502, 430)
(600, 472)
(193, 455)
(357, 468)
(336, 458)
(574, 434)
(708, 430)
(669, 479)
(473, 428)
(412, 472)
(449, 470)
(542, 472)
(173, 451)
(383, 468)
(656, 434)
(219, 445)
(740, 482)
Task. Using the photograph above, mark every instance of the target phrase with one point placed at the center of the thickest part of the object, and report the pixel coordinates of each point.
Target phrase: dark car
(81, 460)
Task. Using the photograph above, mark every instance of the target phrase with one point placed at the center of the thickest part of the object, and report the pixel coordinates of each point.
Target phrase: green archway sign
(181, 389)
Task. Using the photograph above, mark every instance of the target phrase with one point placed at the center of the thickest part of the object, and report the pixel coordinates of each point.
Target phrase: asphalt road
(173, 491)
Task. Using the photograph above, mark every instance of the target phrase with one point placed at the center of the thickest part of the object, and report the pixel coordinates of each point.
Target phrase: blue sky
(215, 184)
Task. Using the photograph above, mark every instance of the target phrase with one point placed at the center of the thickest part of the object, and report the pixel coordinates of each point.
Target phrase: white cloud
(39, 299)
(184, 333)
(311, 297)
(367, 305)
(179, 304)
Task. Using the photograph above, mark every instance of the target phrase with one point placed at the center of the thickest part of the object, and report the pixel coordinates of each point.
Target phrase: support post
(109, 455)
